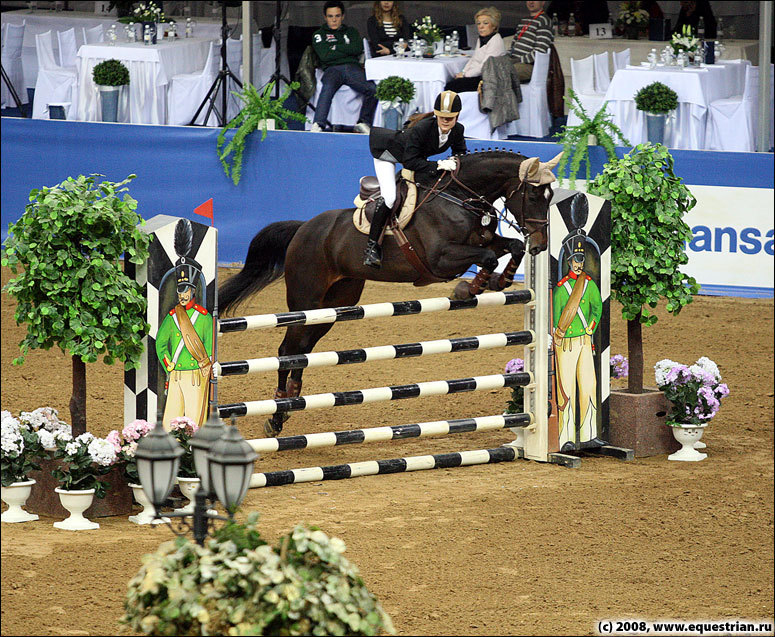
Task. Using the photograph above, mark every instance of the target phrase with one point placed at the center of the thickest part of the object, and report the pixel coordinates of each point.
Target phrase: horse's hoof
(270, 430)
(461, 292)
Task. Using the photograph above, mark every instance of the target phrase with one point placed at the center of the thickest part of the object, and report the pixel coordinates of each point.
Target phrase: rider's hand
(447, 164)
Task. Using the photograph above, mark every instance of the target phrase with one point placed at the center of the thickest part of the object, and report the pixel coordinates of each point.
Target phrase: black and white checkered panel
(144, 387)
(598, 266)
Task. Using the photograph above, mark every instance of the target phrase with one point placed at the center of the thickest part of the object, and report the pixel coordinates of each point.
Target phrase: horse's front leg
(502, 245)
(458, 257)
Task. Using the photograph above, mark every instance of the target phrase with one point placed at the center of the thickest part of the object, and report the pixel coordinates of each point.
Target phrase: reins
(479, 206)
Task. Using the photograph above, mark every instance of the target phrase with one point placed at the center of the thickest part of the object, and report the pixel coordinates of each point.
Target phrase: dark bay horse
(322, 259)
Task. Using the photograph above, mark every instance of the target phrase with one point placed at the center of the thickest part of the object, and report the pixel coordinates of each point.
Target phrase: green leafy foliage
(239, 585)
(258, 107)
(395, 89)
(656, 98)
(70, 288)
(574, 139)
(110, 73)
(648, 233)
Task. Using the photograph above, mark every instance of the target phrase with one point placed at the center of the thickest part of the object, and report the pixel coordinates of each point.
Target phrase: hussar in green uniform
(577, 306)
(184, 344)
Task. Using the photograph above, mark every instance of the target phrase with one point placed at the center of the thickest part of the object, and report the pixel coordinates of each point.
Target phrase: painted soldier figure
(184, 344)
(577, 307)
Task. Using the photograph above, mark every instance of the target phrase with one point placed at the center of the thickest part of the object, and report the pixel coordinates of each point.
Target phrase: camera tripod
(220, 83)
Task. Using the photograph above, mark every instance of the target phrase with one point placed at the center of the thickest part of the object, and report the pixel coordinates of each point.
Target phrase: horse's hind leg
(301, 339)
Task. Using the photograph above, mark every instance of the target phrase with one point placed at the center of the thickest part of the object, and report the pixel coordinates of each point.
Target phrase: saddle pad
(404, 216)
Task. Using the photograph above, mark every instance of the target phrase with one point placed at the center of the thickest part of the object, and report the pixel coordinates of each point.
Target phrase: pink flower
(114, 438)
(184, 424)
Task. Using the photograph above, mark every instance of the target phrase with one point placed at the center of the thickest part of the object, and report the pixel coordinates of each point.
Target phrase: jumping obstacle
(370, 354)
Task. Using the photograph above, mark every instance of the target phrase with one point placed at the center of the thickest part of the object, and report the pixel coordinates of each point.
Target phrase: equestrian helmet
(447, 104)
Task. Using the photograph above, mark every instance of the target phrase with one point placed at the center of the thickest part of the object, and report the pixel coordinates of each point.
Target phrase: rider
(425, 136)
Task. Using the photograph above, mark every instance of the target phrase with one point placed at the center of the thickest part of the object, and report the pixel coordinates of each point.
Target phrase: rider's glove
(447, 164)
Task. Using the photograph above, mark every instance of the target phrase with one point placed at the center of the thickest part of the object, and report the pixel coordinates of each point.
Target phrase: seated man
(534, 33)
(339, 48)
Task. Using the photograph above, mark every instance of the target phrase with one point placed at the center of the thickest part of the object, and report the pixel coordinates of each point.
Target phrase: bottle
(701, 29)
(401, 47)
(455, 43)
(188, 27)
(147, 34)
(447, 46)
(719, 29)
(572, 25)
(555, 25)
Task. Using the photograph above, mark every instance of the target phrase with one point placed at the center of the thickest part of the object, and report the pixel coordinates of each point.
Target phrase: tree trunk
(635, 354)
(78, 399)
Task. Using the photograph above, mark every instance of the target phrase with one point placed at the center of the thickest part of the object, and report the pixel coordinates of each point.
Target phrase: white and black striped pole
(376, 394)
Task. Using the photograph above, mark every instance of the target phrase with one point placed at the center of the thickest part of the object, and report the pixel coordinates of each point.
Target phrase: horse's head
(528, 198)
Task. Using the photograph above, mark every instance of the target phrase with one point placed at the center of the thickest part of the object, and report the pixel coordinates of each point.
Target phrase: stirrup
(371, 255)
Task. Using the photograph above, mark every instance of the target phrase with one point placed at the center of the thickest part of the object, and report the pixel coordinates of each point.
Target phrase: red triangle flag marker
(206, 210)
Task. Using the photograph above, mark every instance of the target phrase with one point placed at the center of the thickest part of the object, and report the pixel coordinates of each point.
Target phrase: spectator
(488, 44)
(534, 33)
(428, 134)
(386, 27)
(690, 14)
(652, 6)
(339, 48)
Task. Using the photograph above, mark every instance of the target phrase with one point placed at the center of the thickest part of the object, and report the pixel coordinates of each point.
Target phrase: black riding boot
(372, 256)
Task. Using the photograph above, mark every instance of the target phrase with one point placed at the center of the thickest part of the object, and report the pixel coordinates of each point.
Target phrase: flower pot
(631, 32)
(655, 125)
(687, 435)
(393, 116)
(270, 124)
(15, 495)
(109, 100)
(189, 487)
(637, 421)
(591, 140)
(75, 503)
(147, 515)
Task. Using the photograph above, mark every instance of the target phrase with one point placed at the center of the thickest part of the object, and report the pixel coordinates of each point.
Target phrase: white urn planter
(189, 487)
(688, 435)
(75, 503)
(15, 495)
(147, 515)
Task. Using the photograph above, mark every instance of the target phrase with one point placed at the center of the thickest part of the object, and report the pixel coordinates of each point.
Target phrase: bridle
(479, 206)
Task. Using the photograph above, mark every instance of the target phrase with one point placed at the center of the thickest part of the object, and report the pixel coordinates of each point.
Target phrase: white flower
(661, 369)
(46, 438)
(11, 439)
(71, 448)
(102, 452)
(85, 438)
(63, 434)
(709, 366)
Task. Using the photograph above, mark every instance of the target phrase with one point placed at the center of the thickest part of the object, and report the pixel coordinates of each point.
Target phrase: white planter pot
(189, 487)
(15, 495)
(269, 124)
(75, 503)
(688, 435)
(146, 516)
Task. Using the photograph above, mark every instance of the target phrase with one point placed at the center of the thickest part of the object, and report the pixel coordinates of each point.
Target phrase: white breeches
(386, 175)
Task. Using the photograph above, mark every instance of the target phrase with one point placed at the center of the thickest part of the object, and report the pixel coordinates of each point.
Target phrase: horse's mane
(481, 155)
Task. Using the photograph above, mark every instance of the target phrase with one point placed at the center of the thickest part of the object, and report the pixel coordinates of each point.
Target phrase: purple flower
(680, 375)
(515, 365)
(722, 390)
(620, 366)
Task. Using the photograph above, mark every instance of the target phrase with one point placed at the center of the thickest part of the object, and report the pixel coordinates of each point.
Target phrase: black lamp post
(222, 459)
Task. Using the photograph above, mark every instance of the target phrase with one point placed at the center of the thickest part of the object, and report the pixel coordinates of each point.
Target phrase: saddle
(366, 201)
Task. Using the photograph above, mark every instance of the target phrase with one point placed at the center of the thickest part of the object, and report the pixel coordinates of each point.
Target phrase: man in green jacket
(339, 48)
(577, 309)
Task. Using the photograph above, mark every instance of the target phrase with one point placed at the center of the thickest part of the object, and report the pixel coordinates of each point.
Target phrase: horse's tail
(264, 264)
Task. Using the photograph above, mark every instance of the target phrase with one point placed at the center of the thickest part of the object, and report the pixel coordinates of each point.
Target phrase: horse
(453, 228)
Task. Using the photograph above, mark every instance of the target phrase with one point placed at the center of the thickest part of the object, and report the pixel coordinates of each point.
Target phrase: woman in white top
(488, 44)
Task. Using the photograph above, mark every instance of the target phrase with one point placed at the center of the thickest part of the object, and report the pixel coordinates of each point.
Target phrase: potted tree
(110, 76)
(70, 288)
(260, 110)
(656, 100)
(394, 94)
(576, 140)
(648, 235)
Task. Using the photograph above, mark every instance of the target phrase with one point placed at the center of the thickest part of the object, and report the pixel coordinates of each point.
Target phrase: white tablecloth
(150, 69)
(429, 76)
(696, 88)
(41, 21)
